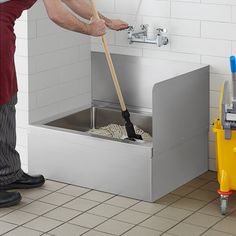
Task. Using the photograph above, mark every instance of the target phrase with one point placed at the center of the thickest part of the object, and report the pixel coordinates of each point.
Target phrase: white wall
(201, 31)
(53, 69)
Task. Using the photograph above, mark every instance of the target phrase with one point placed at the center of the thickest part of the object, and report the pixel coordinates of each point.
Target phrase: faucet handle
(130, 28)
(161, 30)
(144, 26)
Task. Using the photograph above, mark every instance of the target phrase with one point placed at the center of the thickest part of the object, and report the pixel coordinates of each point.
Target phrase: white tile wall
(53, 69)
(201, 31)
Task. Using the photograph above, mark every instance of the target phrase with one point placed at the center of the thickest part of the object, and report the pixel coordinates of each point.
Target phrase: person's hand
(97, 27)
(117, 25)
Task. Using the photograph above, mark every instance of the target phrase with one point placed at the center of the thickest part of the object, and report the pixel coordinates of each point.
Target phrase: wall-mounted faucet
(142, 36)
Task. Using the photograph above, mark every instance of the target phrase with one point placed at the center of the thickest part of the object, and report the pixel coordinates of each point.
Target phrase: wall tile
(171, 56)
(214, 99)
(217, 80)
(222, 2)
(218, 65)
(218, 30)
(201, 46)
(199, 11)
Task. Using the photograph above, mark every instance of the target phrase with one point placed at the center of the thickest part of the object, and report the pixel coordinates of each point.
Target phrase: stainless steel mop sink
(169, 100)
(97, 117)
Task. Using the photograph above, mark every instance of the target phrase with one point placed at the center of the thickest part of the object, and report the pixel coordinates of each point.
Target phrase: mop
(119, 132)
(113, 130)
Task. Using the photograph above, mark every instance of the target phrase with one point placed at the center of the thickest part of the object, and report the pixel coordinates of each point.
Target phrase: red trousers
(9, 12)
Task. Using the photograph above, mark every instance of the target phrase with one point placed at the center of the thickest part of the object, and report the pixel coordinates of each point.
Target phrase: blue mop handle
(233, 64)
(233, 70)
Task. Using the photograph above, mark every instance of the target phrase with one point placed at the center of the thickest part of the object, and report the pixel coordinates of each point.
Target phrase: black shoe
(8, 199)
(25, 182)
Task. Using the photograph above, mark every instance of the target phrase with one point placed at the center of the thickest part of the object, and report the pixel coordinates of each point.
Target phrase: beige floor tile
(203, 195)
(73, 190)
(183, 190)
(227, 226)
(5, 211)
(96, 233)
(57, 199)
(146, 207)
(197, 183)
(211, 209)
(97, 196)
(62, 214)
(53, 185)
(215, 233)
(202, 220)
(38, 208)
(106, 210)
(81, 204)
(68, 229)
(114, 227)
(122, 201)
(231, 216)
(174, 213)
(5, 227)
(34, 193)
(189, 204)
(211, 186)
(18, 217)
(159, 223)
(209, 175)
(217, 201)
(21, 231)
(166, 234)
(168, 199)
(184, 229)
(132, 217)
(88, 220)
(141, 231)
(43, 224)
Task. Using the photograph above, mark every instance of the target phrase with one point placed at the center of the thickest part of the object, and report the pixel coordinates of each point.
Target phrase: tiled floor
(66, 210)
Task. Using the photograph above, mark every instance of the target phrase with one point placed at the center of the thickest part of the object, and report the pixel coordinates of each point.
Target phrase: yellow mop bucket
(225, 129)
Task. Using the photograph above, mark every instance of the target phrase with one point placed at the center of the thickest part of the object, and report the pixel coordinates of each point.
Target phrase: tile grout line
(89, 229)
(151, 215)
(34, 200)
(115, 214)
(181, 197)
(194, 211)
(51, 192)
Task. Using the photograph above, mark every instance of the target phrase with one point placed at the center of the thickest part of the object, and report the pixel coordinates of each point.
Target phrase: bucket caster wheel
(224, 204)
(224, 199)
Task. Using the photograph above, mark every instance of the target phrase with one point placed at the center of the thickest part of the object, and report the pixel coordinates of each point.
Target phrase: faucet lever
(144, 27)
(161, 30)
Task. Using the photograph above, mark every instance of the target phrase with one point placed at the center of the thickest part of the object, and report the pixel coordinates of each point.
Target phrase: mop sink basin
(98, 117)
(171, 105)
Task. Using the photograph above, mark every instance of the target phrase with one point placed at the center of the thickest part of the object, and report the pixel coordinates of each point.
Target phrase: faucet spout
(142, 36)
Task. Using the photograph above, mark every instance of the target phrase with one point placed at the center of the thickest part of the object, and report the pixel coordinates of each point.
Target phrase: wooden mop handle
(109, 60)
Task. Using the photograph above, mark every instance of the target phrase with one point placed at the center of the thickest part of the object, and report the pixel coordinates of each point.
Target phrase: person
(11, 174)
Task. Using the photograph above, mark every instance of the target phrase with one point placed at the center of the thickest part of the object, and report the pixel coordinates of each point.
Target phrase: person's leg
(11, 174)
(10, 169)
(10, 165)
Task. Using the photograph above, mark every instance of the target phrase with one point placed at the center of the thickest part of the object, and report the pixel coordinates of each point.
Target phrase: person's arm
(84, 9)
(64, 18)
